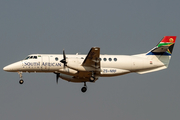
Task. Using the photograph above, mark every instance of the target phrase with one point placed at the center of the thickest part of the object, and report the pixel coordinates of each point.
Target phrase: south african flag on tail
(164, 47)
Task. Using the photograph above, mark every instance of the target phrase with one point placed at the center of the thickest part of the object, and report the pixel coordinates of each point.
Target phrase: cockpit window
(27, 57)
(30, 57)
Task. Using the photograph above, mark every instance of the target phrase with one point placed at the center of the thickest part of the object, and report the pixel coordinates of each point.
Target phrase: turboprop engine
(68, 71)
(72, 78)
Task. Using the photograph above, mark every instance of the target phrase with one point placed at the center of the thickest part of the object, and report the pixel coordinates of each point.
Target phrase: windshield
(27, 58)
(30, 57)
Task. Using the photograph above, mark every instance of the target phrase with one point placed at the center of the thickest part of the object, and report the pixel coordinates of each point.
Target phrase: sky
(123, 27)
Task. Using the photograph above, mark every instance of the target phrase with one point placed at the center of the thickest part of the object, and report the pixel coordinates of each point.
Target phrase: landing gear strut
(21, 81)
(84, 89)
(92, 78)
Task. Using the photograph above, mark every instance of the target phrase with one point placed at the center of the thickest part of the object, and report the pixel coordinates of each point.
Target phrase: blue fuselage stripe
(160, 53)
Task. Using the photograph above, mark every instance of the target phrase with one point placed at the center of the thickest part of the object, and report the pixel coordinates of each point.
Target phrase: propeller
(64, 59)
(57, 77)
(64, 62)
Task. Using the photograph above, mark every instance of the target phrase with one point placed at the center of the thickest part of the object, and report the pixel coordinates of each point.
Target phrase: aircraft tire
(83, 89)
(21, 81)
(92, 79)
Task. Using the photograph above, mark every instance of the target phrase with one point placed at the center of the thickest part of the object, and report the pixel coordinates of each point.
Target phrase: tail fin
(164, 47)
(161, 53)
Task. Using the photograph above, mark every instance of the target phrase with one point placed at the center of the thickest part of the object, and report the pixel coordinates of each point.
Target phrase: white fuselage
(111, 65)
(88, 68)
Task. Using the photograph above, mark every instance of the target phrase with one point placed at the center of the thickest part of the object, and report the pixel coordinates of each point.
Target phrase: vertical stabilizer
(163, 50)
(161, 54)
(164, 47)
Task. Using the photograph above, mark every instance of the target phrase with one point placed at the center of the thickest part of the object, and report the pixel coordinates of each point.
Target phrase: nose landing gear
(21, 81)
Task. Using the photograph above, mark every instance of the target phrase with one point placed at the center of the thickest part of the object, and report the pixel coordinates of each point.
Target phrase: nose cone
(6, 68)
(13, 67)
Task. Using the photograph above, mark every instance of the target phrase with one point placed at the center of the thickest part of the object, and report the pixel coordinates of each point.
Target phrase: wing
(92, 59)
(92, 63)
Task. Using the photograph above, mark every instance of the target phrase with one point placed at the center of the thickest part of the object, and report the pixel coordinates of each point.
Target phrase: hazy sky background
(117, 27)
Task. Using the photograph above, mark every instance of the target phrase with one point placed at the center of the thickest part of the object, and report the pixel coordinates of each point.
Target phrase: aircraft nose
(13, 67)
(6, 68)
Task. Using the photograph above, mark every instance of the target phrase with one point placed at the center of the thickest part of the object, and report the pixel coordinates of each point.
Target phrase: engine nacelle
(76, 64)
(72, 78)
(68, 71)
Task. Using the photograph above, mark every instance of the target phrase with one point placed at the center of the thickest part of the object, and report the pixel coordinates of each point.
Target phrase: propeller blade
(64, 56)
(57, 77)
(64, 59)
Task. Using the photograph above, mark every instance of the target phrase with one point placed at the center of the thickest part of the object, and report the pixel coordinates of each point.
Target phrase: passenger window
(56, 59)
(110, 59)
(100, 59)
(31, 57)
(35, 57)
(104, 59)
(115, 59)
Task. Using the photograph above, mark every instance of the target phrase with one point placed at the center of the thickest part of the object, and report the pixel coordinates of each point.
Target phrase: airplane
(88, 68)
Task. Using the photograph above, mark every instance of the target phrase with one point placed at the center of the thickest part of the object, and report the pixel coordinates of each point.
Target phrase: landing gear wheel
(21, 81)
(92, 79)
(84, 89)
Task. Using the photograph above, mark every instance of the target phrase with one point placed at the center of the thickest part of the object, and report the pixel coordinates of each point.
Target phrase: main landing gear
(92, 78)
(21, 81)
(84, 89)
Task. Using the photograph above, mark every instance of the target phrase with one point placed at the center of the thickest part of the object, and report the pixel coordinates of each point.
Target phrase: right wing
(92, 59)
